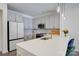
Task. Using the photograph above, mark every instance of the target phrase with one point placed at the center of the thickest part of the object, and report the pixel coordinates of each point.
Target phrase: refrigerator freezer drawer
(13, 44)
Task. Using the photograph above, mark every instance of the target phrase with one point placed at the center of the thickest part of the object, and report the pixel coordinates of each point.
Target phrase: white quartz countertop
(50, 47)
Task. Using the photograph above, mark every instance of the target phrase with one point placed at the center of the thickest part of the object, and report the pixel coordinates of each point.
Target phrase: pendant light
(63, 11)
(58, 8)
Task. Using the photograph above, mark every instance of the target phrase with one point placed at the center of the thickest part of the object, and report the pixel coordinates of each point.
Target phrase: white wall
(0, 30)
(72, 22)
(3, 7)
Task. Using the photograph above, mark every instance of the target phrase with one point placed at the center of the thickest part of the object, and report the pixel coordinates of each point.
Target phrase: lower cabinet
(22, 52)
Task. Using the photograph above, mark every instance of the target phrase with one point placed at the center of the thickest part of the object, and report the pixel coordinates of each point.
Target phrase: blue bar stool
(70, 47)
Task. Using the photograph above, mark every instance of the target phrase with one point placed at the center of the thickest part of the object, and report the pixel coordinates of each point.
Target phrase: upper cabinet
(11, 15)
(50, 21)
(27, 23)
(14, 16)
(19, 18)
(47, 22)
(57, 22)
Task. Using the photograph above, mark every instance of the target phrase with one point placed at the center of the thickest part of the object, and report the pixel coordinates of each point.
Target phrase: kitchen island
(37, 47)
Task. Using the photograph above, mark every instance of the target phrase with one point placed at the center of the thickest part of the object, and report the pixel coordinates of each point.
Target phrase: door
(12, 30)
(20, 29)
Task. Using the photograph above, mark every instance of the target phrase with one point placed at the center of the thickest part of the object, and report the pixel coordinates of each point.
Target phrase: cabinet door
(27, 23)
(20, 30)
(27, 34)
(11, 16)
(57, 22)
(19, 18)
(12, 30)
(52, 22)
(47, 20)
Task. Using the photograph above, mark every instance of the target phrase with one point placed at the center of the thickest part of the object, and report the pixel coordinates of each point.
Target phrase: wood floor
(12, 53)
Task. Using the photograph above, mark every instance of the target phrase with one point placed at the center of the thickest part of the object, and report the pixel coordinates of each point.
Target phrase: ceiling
(32, 9)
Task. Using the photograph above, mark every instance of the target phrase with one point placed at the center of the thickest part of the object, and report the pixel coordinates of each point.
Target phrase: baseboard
(4, 51)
